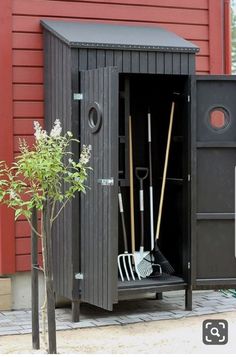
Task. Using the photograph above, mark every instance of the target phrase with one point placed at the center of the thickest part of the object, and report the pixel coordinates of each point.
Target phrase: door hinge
(189, 98)
(79, 276)
(78, 96)
(106, 182)
(189, 265)
(189, 177)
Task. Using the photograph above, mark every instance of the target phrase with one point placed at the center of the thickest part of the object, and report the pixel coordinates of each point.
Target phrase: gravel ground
(167, 336)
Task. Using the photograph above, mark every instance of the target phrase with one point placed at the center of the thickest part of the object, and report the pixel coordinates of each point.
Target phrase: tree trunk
(48, 275)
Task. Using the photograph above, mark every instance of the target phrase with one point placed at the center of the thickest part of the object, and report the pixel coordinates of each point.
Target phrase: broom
(159, 258)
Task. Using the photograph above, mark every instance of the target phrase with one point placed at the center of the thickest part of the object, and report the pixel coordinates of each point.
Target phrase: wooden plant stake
(34, 281)
(48, 276)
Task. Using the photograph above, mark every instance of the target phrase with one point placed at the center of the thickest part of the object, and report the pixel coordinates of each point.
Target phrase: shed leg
(75, 305)
(159, 296)
(188, 299)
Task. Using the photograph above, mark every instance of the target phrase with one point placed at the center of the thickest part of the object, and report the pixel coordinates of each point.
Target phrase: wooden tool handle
(165, 171)
(131, 178)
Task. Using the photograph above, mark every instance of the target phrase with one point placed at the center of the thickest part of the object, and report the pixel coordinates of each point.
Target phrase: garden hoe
(124, 260)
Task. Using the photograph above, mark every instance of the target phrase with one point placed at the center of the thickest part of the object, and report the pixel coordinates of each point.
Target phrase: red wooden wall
(204, 22)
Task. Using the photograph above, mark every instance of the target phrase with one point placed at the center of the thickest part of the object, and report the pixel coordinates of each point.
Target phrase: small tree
(46, 178)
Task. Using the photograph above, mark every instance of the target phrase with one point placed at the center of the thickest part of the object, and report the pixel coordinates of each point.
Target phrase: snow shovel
(124, 260)
(141, 174)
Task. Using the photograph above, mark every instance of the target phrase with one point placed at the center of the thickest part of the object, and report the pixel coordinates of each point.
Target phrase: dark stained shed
(110, 36)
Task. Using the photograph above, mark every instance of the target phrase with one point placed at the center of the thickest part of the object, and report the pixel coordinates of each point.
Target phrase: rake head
(125, 263)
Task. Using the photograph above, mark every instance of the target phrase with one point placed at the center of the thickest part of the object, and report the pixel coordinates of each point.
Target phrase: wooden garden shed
(25, 96)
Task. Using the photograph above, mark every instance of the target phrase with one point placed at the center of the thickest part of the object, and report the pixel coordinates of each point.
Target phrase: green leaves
(47, 171)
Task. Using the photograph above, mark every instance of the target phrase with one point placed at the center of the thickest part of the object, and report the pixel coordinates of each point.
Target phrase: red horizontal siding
(28, 91)
(28, 138)
(7, 241)
(23, 246)
(187, 18)
(110, 11)
(32, 75)
(191, 4)
(27, 41)
(23, 229)
(189, 31)
(25, 126)
(28, 109)
(23, 262)
(27, 58)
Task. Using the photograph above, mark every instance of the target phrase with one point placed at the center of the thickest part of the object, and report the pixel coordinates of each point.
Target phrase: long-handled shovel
(150, 178)
(141, 174)
(131, 179)
(156, 258)
(124, 260)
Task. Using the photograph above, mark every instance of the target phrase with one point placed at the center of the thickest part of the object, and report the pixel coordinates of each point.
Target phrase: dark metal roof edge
(132, 47)
(118, 46)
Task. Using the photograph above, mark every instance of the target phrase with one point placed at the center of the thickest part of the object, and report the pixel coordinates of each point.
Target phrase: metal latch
(189, 177)
(106, 182)
(78, 96)
(79, 276)
(189, 265)
(189, 98)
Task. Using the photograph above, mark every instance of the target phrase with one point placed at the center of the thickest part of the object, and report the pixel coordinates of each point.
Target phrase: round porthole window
(94, 117)
(218, 119)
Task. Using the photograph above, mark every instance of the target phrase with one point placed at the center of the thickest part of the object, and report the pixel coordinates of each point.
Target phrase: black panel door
(99, 208)
(213, 176)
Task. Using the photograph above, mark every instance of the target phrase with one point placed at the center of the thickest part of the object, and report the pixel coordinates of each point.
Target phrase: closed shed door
(99, 208)
(213, 181)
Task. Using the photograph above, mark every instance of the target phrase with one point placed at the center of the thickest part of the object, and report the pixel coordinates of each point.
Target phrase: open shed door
(213, 169)
(99, 208)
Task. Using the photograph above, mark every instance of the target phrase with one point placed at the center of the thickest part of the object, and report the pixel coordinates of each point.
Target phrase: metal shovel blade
(143, 267)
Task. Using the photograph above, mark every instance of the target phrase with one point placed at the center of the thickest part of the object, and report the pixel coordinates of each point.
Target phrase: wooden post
(48, 275)
(34, 282)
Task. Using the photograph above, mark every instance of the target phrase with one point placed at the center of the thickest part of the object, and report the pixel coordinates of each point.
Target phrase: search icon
(215, 332)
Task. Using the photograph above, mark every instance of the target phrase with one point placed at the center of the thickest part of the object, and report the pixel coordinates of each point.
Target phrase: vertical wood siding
(58, 91)
(188, 18)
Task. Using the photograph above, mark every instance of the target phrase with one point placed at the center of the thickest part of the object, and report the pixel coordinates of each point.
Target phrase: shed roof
(110, 36)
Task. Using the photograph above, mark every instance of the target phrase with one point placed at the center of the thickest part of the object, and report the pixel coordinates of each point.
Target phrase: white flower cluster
(85, 154)
(39, 133)
(56, 130)
(12, 194)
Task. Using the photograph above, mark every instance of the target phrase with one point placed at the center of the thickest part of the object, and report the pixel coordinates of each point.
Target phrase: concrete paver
(126, 312)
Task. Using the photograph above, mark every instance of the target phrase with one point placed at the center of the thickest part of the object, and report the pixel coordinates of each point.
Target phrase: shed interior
(138, 95)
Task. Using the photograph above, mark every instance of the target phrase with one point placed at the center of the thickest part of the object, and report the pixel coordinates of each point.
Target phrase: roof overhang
(120, 37)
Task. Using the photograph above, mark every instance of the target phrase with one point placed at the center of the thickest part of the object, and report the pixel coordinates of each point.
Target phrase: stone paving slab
(172, 306)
